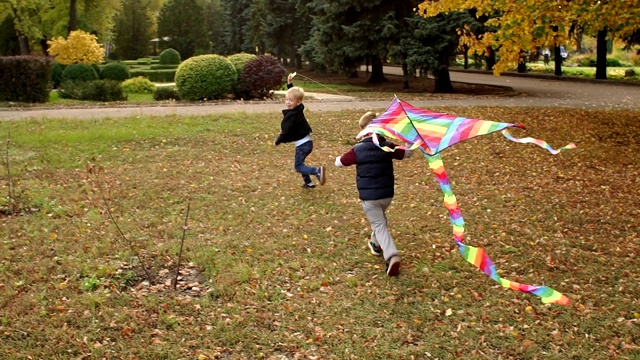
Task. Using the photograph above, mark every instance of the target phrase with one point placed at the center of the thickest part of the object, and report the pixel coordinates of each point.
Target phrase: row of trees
(332, 35)
(520, 26)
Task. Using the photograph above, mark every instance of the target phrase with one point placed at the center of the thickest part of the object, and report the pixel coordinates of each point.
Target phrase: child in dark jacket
(375, 182)
(296, 129)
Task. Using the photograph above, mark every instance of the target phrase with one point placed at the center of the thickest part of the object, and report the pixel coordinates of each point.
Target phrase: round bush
(138, 85)
(169, 57)
(80, 72)
(205, 77)
(115, 71)
(262, 75)
(240, 60)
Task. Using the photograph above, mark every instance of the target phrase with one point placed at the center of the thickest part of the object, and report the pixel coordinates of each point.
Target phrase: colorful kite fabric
(433, 132)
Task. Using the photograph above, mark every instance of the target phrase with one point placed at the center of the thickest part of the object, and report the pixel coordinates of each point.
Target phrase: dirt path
(533, 92)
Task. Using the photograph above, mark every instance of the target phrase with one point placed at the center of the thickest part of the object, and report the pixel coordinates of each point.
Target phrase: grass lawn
(273, 271)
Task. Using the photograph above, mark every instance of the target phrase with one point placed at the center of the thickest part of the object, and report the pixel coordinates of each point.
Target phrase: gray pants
(375, 212)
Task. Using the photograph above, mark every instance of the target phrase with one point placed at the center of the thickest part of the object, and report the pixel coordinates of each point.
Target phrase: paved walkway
(534, 92)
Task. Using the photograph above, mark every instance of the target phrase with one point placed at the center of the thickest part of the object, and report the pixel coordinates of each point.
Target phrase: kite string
(321, 84)
(477, 256)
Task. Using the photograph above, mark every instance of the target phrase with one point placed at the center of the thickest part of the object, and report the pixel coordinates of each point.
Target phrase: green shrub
(157, 76)
(25, 78)
(205, 77)
(96, 90)
(96, 68)
(239, 61)
(104, 90)
(166, 93)
(81, 72)
(115, 71)
(56, 74)
(138, 85)
(169, 57)
(144, 61)
(163, 67)
(262, 75)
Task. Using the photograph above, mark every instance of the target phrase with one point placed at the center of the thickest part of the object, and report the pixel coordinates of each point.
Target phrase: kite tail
(541, 143)
(477, 256)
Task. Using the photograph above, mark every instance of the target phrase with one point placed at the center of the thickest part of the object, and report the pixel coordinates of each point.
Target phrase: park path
(533, 92)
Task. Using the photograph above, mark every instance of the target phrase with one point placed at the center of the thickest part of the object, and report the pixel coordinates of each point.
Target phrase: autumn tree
(604, 20)
(79, 48)
(526, 25)
(27, 20)
(520, 26)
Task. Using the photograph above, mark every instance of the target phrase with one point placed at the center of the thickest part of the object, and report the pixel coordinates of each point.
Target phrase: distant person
(375, 182)
(563, 52)
(296, 129)
(546, 54)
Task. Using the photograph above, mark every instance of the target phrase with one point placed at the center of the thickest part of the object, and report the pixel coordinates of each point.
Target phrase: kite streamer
(433, 132)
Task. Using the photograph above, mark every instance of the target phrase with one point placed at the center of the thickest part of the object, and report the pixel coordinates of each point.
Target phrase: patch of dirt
(161, 278)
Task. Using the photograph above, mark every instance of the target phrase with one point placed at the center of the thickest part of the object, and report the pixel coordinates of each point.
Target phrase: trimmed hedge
(261, 76)
(81, 72)
(158, 76)
(115, 71)
(96, 90)
(169, 56)
(163, 67)
(138, 85)
(205, 77)
(25, 78)
(56, 74)
(166, 93)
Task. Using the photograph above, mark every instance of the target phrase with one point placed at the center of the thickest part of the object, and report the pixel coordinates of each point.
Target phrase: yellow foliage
(526, 25)
(79, 48)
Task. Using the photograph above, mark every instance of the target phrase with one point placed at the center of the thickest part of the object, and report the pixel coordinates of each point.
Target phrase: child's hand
(290, 77)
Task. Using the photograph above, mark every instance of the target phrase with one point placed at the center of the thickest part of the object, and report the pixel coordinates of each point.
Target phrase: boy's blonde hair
(297, 93)
(366, 119)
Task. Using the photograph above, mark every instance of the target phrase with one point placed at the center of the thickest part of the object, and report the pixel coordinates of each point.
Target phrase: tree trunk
(73, 18)
(490, 58)
(377, 74)
(298, 58)
(25, 49)
(405, 75)
(601, 54)
(44, 45)
(522, 63)
(557, 60)
(466, 56)
(443, 81)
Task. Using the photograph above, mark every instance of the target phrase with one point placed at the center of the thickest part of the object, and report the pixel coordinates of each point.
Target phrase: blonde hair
(366, 119)
(296, 92)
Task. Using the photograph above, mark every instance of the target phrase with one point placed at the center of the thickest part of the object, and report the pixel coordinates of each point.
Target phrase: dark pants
(302, 152)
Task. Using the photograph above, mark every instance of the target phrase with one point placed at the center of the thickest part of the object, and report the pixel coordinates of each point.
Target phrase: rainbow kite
(433, 132)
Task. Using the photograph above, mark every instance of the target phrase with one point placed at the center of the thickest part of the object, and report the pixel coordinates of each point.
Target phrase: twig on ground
(184, 232)
(95, 171)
